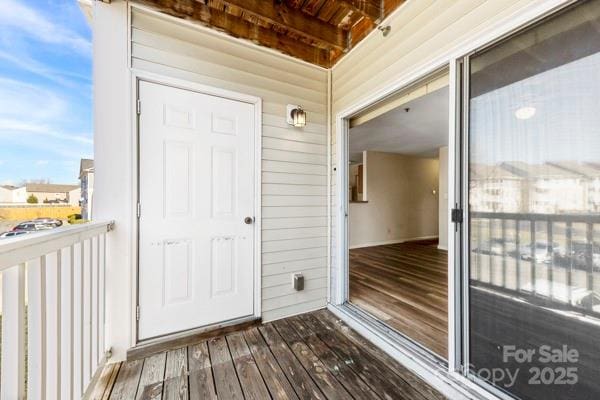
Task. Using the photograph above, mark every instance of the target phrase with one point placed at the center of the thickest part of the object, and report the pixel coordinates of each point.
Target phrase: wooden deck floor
(404, 285)
(310, 356)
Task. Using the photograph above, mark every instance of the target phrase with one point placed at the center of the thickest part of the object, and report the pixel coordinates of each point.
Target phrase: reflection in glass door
(534, 209)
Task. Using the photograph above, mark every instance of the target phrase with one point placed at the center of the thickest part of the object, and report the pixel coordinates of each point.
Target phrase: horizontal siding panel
(286, 212)
(301, 190)
(298, 308)
(280, 155)
(295, 179)
(293, 168)
(294, 233)
(294, 134)
(272, 103)
(288, 267)
(295, 298)
(221, 72)
(165, 26)
(287, 278)
(221, 76)
(287, 289)
(228, 61)
(285, 201)
(294, 255)
(287, 145)
(287, 223)
(293, 244)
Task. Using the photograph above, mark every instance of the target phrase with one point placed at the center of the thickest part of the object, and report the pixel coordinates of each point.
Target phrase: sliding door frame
(454, 376)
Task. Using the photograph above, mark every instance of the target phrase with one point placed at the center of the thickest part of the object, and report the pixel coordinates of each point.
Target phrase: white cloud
(41, 162)
(26, 63)
(15, 15)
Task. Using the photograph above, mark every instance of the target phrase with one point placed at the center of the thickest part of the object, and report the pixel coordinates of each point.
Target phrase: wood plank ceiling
(317, 31)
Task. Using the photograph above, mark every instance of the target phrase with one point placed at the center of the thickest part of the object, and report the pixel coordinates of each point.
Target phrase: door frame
(256, 102)
(451, 377)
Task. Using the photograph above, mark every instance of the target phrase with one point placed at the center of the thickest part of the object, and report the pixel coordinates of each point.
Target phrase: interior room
(398, 212)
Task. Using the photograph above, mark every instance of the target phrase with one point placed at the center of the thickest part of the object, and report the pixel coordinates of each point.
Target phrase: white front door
(196, 187)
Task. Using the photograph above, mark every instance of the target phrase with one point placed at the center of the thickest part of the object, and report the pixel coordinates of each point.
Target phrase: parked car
(541, 253)
(49, 221)
(12, 234)
(32, 226)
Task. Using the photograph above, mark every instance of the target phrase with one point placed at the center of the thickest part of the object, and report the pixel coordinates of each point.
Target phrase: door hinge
(137, 313)
(138, 106)
(457, 215)
(139, 210)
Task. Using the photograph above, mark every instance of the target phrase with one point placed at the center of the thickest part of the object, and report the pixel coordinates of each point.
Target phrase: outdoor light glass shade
(298, 117)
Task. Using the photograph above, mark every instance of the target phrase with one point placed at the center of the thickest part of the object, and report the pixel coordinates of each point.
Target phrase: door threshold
(174, 341)
(428, 367)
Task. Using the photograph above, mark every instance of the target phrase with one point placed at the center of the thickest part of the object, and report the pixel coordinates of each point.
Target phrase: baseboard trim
(393, 241)
(443, 247)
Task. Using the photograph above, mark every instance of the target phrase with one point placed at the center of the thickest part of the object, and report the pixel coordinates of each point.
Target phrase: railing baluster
(550, 237)
(36, 332)
(518, 253)
(490, 258)
(589, 262)
(479, 242)
(94, 304)
(101, 301)
(66, 346)
(78, 320)
(87, 316)
(533, 248)
(569, 252)
(52, 310)
(503, 247)
(12, 380)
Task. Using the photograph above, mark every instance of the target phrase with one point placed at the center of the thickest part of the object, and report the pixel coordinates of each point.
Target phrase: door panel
(534, 209)
(196, 187)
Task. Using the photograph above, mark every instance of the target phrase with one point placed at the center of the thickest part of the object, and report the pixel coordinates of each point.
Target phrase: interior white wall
(113, 158)
(401, 204)
(443, 198)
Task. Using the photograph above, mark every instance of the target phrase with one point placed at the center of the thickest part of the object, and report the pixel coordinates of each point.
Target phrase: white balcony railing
(52, 312)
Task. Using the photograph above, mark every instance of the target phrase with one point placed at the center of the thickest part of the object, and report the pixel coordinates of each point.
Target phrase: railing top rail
(584, 218)
(20, 249)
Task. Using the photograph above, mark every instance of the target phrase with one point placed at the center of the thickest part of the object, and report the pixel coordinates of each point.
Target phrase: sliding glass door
(533, 134)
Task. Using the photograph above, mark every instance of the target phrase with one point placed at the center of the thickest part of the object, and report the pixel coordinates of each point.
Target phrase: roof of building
(85, 165)
(49, 188)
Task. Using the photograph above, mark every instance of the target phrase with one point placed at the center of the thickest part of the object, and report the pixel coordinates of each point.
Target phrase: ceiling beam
(372, 9)
(294, 20)
(195, 11)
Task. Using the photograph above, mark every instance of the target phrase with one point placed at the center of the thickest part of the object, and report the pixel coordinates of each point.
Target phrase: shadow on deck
(310, 356)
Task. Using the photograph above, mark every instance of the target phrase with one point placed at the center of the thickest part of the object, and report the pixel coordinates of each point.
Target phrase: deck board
(310, 356)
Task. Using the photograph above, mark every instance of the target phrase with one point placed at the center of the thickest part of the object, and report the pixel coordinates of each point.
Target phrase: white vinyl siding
(421, 31)
(294, 161)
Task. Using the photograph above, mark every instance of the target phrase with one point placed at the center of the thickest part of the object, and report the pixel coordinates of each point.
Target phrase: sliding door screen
(534, 207)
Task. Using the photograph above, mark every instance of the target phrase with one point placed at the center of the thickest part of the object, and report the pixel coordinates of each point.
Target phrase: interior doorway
(398, 213)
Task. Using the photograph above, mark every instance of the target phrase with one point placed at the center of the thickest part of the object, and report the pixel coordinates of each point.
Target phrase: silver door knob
(248, 220)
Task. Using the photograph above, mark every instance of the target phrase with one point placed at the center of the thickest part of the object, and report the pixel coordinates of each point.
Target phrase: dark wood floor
(404, 285)
(310, 356)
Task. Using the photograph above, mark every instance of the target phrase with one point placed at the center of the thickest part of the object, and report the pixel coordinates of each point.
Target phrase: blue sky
(45, 90)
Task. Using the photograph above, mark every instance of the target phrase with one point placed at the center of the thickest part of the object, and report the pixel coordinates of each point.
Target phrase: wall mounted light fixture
(296, 116)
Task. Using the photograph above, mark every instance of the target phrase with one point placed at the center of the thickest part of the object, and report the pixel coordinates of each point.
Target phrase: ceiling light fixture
(525, 112)
(296, 116)
(385, 30)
